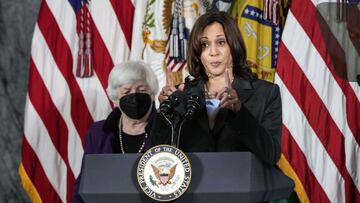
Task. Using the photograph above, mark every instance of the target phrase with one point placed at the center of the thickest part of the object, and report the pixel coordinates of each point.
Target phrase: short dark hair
(233, 38)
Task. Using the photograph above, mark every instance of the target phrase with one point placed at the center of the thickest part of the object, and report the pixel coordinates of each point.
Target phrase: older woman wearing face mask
(237, 111)
(132, 86)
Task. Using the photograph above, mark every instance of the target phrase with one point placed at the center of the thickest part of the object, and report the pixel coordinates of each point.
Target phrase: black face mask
(135, 105)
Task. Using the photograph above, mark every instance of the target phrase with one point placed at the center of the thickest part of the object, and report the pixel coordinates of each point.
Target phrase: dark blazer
(256, 127)
(100, 140)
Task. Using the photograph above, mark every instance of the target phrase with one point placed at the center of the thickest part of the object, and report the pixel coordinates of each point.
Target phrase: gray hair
(130, 72)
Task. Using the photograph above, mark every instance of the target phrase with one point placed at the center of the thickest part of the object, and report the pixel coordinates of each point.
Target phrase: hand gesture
(228, 96)
(168, 90)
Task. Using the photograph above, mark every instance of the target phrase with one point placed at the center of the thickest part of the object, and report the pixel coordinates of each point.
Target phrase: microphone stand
(192, 107)
(176, 134)
(173, 116)
(176, 113)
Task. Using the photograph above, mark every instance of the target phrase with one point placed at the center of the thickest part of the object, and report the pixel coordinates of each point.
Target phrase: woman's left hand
(229, 99)
(228, 96)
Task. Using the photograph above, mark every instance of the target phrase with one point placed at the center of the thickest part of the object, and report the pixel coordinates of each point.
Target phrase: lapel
(244, 89)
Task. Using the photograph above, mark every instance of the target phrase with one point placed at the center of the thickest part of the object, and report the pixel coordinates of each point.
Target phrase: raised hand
(228, 96)
(167, 90)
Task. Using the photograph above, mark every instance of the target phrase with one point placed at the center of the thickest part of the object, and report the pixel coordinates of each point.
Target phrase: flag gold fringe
(263, 73)
(287, 169)
(28, 185)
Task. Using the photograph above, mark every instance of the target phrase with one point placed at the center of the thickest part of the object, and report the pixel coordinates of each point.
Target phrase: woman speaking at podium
(236, 111)
(132, 86)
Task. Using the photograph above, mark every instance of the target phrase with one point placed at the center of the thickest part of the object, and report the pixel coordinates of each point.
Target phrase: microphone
(174, 105)
(173, 109)
(193, 102)
(180, 108)
(167, 106)
(192, 106)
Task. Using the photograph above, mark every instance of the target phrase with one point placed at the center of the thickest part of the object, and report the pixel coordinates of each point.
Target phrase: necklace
(121, 142)
(208, 94)
(212, 95)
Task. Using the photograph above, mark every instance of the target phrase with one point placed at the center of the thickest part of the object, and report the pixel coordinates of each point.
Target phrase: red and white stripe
(59, 106)
(321, 123)
(171, 64)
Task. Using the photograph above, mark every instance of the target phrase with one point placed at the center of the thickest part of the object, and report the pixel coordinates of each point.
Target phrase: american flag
(321, 109)
(60, 106)
(172, 64)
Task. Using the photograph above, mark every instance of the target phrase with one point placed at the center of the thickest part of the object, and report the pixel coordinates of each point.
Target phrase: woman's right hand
(169, 90)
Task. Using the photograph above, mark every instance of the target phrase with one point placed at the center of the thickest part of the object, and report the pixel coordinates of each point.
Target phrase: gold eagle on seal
(164, 174)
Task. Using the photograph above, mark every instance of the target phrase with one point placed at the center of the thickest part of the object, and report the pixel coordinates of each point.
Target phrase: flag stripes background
(59, 106)
(320, 111)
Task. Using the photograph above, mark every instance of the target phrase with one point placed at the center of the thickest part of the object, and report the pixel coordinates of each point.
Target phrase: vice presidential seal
(164, 173)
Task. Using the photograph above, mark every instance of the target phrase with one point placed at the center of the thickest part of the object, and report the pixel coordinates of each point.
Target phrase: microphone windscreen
(180, 108)
(195, 92)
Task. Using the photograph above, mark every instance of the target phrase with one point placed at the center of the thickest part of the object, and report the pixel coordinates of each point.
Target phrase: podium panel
(216, 177)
